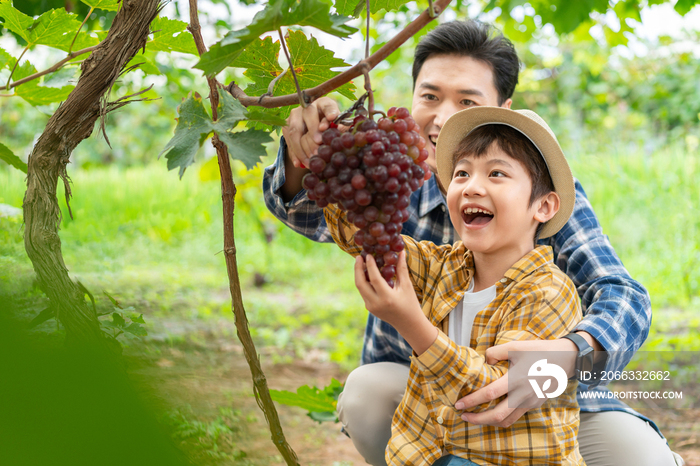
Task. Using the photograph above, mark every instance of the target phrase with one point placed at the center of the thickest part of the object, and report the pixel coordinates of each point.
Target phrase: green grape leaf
(40, 95)
(7, 156)
(262, 117)
(684, 6)
(138, 319)
(193, 127)
(108, 5)
(171, 36)
(5, 58)
(230, 112)
(277, 13)
(136, 329)
(246, 146)
(312, 64)
(15, 20)
(347, 7)
(118, 320)
(309, 398)
(144, 64)
(35, 94)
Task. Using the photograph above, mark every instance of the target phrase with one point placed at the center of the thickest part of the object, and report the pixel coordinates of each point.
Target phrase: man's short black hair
(480, 41)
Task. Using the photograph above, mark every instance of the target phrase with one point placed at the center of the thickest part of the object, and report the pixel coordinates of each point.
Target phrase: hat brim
(459, 125)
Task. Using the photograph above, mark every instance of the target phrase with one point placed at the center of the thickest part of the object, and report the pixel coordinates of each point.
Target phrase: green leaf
(139, 319)
(144, 64)
(7, 156)
(171, 36)
(40, 95)
(347, 7)
(43, 316)
(684, 6)
(309, 398)
(15, 20)
(311, 61)
(246, 146)
(328, 416)
(193, 126)
(264, 118)
(118, 320)
(109, 5)
(230, 112)
(136, 329)
(277, 13)
(5, 58)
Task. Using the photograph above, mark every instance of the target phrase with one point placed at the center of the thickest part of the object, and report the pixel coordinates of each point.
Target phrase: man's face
(445, 85)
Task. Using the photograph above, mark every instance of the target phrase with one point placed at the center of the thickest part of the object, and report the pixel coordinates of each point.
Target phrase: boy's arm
(300, 214)
(546, 309)
(617, 309)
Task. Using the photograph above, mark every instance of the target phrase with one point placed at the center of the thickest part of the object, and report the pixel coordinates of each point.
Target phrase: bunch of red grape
(370, 171)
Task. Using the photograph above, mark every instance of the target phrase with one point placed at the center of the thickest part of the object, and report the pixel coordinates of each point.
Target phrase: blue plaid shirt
(617, 309)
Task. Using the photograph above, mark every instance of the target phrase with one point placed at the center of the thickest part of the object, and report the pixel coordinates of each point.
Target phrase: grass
(154, 243)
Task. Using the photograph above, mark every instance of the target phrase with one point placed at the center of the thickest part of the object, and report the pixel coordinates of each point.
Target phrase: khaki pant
(372, 393)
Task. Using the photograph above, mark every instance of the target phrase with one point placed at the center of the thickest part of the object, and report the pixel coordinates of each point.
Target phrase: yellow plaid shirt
(534, 300)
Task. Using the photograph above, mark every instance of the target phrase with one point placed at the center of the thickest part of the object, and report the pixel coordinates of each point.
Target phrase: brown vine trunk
(70, 124)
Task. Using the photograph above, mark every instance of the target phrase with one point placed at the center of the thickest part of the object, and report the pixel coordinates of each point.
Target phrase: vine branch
(49, 70)
(228, 195)
(348, 75)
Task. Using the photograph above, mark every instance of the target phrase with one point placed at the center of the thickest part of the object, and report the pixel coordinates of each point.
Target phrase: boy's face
(488, 200)
(445, 85)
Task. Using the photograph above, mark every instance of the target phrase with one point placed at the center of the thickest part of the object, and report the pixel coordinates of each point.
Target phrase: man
(456, 66)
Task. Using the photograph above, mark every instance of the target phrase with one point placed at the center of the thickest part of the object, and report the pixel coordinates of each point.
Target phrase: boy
(507, 183)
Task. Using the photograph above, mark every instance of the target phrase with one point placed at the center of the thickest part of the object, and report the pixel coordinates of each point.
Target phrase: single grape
(359, 181)
(329, 134)
(309, 181)
(348, 140)
(316, 164)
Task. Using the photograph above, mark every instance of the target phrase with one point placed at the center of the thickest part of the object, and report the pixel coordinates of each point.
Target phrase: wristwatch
(584, 359)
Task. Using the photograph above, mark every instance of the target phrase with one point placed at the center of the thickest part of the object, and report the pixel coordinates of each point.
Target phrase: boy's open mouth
(476, 216)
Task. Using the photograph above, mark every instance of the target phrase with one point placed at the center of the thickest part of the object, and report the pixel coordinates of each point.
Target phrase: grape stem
(368, 88)
(367, 35)
(359, 103)
(302, 99)
(378, 112)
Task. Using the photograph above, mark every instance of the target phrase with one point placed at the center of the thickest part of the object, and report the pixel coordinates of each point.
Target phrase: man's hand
(303, 136)
(398, 306)
(521, 397)
(304, 129)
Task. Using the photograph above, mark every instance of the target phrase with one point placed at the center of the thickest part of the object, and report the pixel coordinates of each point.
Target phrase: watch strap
(584, 358)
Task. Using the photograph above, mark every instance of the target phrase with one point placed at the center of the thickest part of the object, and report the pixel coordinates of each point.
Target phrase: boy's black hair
(479, 41)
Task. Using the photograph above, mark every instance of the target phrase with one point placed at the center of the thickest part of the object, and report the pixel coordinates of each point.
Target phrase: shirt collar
(430, 197)
(530, 262)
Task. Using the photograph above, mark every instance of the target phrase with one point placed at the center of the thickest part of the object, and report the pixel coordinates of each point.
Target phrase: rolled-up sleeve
(300, 214)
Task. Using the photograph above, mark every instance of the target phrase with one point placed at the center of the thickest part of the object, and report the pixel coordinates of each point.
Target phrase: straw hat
(459, 125)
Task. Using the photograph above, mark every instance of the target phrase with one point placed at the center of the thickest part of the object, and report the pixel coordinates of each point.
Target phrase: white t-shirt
(462, 316)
